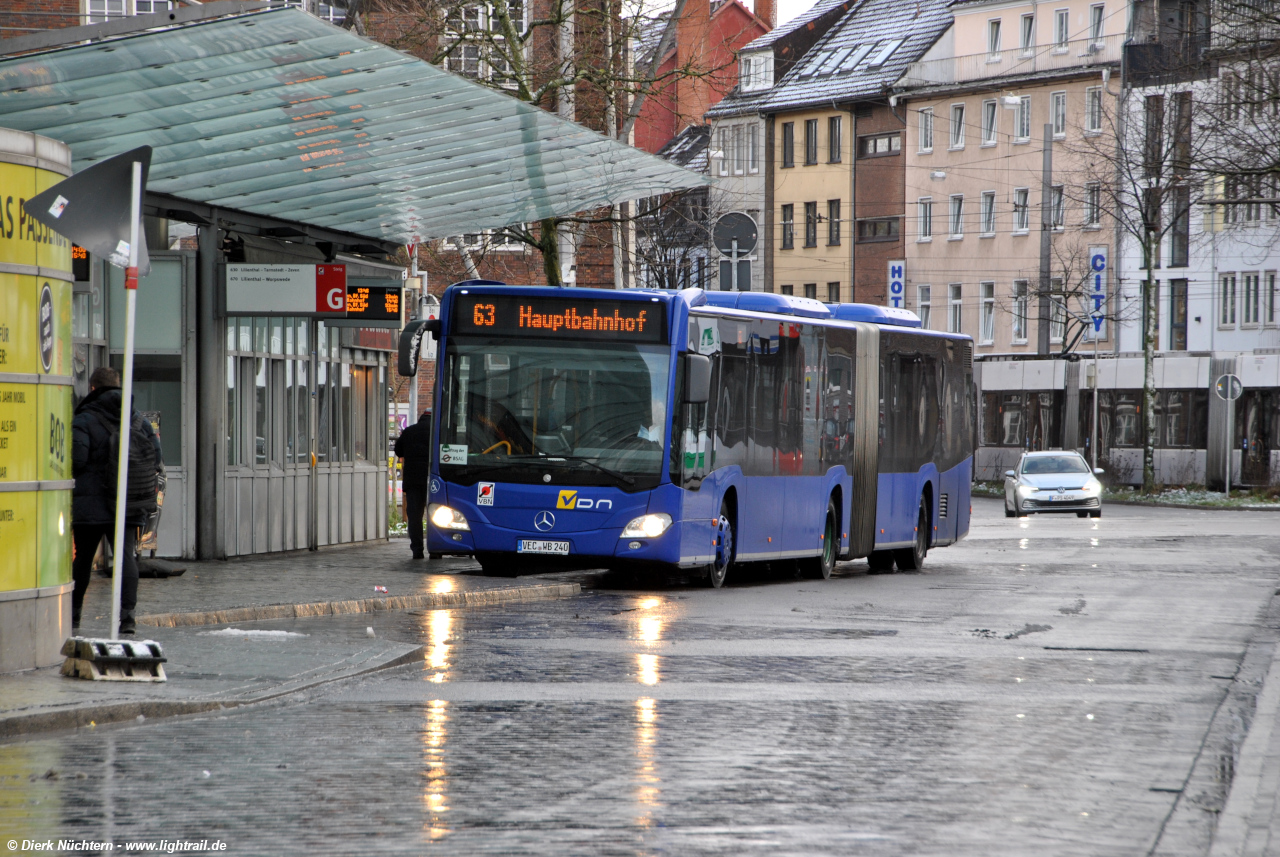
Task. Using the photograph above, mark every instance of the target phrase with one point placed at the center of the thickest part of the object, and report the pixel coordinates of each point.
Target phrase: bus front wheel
(912, 558)
(822, 565)
(724, 550)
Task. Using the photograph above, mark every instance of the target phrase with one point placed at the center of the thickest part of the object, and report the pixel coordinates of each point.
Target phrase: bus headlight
(647, 526)
(447, 518)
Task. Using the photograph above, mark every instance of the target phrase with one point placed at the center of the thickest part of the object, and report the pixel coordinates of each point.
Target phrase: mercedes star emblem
(544, 521)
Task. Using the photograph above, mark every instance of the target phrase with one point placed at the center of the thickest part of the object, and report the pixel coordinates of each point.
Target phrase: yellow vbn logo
(566, 500)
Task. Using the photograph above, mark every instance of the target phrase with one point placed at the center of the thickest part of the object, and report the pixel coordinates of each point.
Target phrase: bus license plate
(534, 546)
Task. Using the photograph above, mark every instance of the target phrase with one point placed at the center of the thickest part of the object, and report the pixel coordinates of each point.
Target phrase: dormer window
(755, 71)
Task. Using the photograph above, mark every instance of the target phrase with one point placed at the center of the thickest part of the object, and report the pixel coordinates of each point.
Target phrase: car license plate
(534, 546)
(1062, 498)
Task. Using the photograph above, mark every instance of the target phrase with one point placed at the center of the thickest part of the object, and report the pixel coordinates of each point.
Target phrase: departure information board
(562, 318)
(373, 303)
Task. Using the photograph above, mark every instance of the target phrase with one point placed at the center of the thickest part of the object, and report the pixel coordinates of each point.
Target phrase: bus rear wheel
(725, 545)
(912, 558)
(822, 565)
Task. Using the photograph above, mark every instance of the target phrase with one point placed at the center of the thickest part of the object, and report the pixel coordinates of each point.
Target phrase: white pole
(1093, 447)
(126, 395)
(1231, 406)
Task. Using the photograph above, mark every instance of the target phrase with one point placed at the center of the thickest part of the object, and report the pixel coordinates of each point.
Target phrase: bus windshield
(590, 413)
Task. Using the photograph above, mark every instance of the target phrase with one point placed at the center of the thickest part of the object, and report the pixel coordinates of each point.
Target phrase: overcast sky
(788, 9)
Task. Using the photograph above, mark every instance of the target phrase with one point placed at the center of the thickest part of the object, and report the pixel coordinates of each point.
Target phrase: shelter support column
(210, 388)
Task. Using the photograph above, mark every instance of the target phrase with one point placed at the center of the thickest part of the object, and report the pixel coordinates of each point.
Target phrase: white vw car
(1053, 482)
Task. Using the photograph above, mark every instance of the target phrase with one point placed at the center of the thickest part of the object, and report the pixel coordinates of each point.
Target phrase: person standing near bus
(414, 446)
(95, 438)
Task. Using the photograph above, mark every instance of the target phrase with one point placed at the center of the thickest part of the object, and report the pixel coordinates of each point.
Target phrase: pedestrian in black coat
(93, 502)
(414, 446)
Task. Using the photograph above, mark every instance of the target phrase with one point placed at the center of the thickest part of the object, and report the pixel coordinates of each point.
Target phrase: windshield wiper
(585, 460)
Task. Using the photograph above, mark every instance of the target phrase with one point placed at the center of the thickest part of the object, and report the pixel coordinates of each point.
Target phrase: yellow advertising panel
(55, 538)
(24, 241)
(35, 325)
(18, 420)
(53, 432)
(18, 539)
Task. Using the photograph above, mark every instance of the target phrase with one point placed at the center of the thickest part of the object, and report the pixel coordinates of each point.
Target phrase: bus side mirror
(432, 327)
(697, 379)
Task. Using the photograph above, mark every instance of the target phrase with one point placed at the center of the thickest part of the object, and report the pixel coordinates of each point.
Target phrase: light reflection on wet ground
(895, 715)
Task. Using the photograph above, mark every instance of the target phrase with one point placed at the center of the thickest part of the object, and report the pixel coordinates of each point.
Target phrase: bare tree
(592, 60)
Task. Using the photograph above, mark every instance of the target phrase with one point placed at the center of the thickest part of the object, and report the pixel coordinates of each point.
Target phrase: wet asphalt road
(1049, 686)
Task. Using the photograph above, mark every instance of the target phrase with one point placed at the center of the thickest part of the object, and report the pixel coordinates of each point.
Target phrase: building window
(926, 130)
(833, 222)
(753, 148)
(105, 10)
(1057, 311)
(1019, 312)
(1153, 125)
(1061, 28)
(987, 326)
(955, 320)
(1058, 111)
(923, 304)
(1027, 35)
(1021, 210)
(879, 144)
(1177, 315)
(755, 72)
(1093, 109)
(1092, 204)
(1227, 300)
(811, 291)
(1096, 19)
(957, 126)
(993, 38)
(834, 144)
(464, 61)
(788, 227)
(988, 211)
(924, 216)
(833, 293)
(1057, 207)
(1022, 118)
(722, 135)
(739, 151)
(989, 114)
(1252, 298)
(788, 144)
(1180, 229)
(879, 229)
(810, 142)
(787, 290)
(811, 224)
(957, 216)
(1270, 298)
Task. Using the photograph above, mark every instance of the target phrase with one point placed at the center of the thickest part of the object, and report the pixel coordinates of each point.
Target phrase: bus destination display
(511, 315)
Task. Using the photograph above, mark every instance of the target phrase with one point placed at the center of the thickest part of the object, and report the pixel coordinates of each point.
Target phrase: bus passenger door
(696, 519)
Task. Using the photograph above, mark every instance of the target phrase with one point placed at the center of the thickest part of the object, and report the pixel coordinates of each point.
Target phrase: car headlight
(1093, 486)
(1027, 490)
(647, 526)
(447, 518)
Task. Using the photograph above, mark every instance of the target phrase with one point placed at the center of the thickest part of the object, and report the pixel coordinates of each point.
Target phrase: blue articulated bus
(694, 430)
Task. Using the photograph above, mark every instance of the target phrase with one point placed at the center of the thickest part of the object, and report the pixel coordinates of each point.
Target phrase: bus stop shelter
(287, 140)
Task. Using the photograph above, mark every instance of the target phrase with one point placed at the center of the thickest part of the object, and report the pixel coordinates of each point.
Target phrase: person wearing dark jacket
(93, 501)
(414, 446)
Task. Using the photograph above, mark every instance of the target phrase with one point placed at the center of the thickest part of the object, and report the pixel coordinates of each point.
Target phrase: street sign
(734, 226)
(92, 208)
(1228, 387)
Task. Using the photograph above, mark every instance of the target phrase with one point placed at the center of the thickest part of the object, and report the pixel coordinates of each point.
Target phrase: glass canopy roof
(280, 114)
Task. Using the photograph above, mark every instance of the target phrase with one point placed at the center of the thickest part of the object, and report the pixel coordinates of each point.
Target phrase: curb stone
(469, 598)
(1238, 818)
